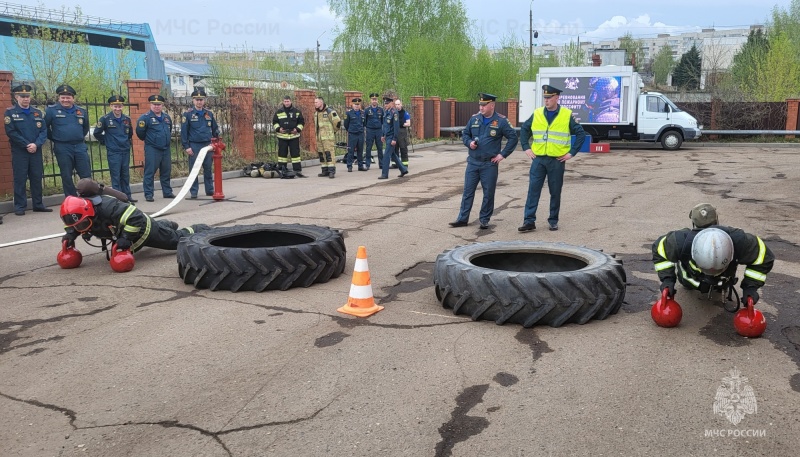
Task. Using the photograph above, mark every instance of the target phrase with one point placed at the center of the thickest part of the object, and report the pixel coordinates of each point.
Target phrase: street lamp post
(532, 34)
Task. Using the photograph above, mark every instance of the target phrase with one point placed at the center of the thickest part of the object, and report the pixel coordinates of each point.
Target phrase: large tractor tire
(529, 283)
(261, 257)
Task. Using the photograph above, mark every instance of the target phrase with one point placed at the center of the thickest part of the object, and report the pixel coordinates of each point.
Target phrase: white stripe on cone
(360, 291)
(361, 265)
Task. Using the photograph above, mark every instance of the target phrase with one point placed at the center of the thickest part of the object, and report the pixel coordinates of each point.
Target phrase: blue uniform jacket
(114, 133)
(23, 129)
(374, 117)
(354, 121)
(489, 137)
(153, 132)
(66, 126)
(198, 127)
(391, 125)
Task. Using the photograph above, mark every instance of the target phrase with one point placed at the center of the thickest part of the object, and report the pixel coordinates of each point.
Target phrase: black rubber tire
(671, 140)
(261, 257)
(529, 283)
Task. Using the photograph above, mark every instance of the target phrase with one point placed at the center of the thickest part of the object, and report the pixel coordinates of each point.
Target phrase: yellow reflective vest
(551, 139)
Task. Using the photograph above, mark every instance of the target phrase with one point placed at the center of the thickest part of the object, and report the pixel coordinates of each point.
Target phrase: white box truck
(610, 105)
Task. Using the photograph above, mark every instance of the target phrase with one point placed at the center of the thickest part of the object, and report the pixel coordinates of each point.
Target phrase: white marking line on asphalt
(178, 198)
(441, 315)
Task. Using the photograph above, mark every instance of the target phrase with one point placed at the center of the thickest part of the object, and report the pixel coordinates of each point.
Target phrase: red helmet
(77, 213)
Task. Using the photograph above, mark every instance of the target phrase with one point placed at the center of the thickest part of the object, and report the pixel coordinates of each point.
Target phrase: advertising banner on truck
(593, 100)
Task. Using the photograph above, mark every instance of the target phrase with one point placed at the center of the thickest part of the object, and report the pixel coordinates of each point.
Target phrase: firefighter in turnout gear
(110, 219)
(288, 122)
(706, 257)
(326, 123)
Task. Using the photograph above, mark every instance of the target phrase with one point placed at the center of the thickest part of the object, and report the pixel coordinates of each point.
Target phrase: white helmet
(712, 251)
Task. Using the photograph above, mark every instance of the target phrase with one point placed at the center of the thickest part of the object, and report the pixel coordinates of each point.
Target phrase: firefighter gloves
(670, 285)
(749, 293)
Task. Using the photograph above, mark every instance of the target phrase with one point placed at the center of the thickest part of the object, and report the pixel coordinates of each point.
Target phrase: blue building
(104, 37)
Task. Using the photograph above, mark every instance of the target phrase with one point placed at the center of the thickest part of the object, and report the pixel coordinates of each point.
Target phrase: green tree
(379, 40)
(745, 62)
(687, 71)
(778, 75)
(573, 56)
(634, 52)
(663, 64)
(787, 23)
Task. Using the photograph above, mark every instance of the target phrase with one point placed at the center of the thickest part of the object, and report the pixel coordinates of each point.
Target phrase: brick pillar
(138, 92)
(6, 100)
(452, 102)
(244, 139)
(513, 113)
(349, 95)
(437, 116)
(304, 101)
(792, 115)
(418, 110)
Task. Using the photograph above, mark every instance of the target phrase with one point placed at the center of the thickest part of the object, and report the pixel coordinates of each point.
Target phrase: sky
(204, 25)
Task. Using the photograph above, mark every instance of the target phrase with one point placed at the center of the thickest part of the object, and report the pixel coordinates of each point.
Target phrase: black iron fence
(266, 144)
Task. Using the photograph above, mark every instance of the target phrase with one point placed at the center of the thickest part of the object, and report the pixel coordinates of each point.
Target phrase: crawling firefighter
(120, 223)
(706, 257)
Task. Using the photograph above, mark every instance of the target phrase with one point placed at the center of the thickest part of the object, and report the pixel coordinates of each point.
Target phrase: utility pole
(530, 43)
(318, 66)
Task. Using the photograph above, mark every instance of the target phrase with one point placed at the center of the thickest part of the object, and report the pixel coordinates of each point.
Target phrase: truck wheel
(671, 140)
(529, 283)
(261, 257)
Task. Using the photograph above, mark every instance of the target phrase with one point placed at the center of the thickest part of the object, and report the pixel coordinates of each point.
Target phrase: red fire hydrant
(218, 146)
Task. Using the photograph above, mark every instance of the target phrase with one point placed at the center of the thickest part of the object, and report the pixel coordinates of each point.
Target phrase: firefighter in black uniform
(27, 133)
(354, 124)
(110, 219)
(374, 123)
(288, 123)
(706, 257)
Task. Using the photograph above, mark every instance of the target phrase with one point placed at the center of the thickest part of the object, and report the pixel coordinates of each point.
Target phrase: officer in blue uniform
(374, 123)
(354, 124)
(391, 131)
(198, 127)
(114, 131)
(26, 133)
(155, 129)
(483, 136)
(67, 125)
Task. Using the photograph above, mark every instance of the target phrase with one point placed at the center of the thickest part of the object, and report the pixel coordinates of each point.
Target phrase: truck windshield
(675, 109)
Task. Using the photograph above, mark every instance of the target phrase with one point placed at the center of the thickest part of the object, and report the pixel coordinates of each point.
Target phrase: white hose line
(178, 198)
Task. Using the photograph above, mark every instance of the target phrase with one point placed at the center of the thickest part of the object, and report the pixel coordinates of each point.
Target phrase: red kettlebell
(666, 312)
(749, 321)
(121, 261)
(69, 257)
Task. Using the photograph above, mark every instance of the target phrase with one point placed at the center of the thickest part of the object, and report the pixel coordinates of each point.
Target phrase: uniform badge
(126, 122)
(99, 124)
(494, 124)
(7, 120)
(78, 113)
(141, 124)
(209, 123)
(80, 120)
(492, 132)
(35, 114)
(38, 124)
(207, 116)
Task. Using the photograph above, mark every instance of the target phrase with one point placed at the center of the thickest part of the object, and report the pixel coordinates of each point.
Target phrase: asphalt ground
(99, 363)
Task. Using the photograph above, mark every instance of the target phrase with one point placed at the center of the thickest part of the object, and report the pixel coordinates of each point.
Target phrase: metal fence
(266, 144)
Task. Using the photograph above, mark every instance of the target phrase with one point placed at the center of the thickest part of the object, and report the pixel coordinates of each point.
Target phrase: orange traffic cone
(361, 303)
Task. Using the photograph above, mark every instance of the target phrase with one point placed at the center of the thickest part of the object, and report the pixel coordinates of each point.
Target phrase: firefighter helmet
(77, 213)
(703, 215)
(712, 251)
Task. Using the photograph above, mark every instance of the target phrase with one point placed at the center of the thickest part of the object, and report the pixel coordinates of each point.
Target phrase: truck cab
(660, 120)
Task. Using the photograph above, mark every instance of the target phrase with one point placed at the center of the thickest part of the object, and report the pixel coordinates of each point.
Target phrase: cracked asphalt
(98, 363)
